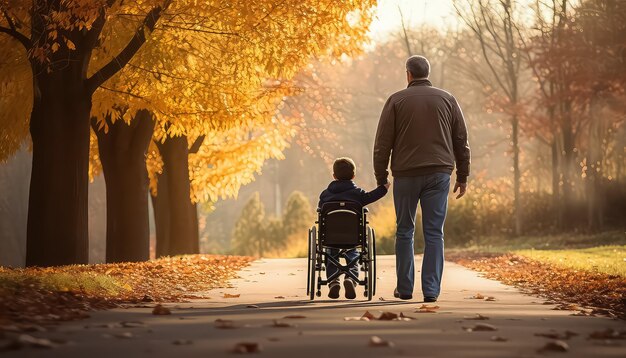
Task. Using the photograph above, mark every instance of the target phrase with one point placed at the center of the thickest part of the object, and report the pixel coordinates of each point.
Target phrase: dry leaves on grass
(42, 295)
(572, 287)
(229, 295)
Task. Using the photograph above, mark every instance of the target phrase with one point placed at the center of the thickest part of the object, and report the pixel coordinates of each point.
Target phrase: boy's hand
(387, 185)
(461, 187)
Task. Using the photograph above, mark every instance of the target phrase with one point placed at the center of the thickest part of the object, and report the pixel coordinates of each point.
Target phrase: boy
(344, 189)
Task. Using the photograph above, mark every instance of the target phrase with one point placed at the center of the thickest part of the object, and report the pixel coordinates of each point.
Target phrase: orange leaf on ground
(228, 295)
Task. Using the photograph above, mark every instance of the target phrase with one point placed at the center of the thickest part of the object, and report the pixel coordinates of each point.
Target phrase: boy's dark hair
(344, 168)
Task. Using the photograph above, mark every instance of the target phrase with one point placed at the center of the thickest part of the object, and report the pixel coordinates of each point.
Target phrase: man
(423, 130)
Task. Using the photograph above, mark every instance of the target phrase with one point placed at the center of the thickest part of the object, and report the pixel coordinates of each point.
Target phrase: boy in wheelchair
(344, 189)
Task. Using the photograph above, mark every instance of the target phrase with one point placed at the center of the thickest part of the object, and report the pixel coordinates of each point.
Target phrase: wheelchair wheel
(308, 264)
(370, 265)
(374, 264)
(312, 262)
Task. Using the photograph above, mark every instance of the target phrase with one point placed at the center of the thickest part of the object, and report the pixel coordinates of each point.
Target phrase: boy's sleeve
(372, 196)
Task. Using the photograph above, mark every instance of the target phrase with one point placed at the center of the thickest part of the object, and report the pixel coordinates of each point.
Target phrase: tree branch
(195, 147)
(119, 61)
(25, 41)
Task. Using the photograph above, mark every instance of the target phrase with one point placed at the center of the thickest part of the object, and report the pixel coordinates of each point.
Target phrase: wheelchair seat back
(342, 224)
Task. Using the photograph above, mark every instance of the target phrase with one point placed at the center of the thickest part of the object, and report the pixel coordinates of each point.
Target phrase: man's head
(344, 169)
(417, 67)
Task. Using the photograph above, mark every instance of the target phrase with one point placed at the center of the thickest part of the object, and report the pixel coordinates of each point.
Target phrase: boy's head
(344, 169)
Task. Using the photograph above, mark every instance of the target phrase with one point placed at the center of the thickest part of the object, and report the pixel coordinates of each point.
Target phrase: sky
(416, 12)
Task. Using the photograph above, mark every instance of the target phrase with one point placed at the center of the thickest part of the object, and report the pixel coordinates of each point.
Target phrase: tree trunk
(59, 127)
(556, 189)
(516, 176)
(161, 207)
(181, 235)
(123, 157)
(567, 170)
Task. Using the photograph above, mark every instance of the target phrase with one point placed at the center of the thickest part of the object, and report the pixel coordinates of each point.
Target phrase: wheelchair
(341, 225)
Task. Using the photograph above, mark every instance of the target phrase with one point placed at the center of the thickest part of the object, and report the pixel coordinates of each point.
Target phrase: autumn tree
(78, 48)
(56, 39)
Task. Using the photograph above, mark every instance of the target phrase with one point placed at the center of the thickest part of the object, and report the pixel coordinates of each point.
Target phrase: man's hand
(387, 185)
(461, 187)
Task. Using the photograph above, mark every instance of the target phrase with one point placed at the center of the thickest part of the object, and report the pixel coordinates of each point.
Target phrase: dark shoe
(397, 294)
(334, 288)
(430, 299)
(349, 286)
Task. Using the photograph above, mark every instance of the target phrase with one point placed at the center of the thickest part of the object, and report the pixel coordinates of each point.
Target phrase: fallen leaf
(123, 335)
(499, 339)
(387, 316)
(608, 333)
(478, 296)
(406, 317)
(25, 340)
(294, 316)
(368, 315)
(427, 309)
(478, 317)
(356, 319)
(490, 298)
(280, 297)
(159, 310)
(555, 346)
(132, 324)
(224, 324)
(381, 298)
(228, 295)
(376, 341)
(555, 335)
(182, 342)
(481, 327)
(252, 306)
(247, 347)
(567, 307)
(279, 324)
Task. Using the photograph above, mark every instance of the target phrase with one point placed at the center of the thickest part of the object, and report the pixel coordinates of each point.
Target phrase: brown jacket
(423, 129)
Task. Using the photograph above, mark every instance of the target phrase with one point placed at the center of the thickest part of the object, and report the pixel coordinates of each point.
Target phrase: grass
(609, 260)
(89, 283)
(501, 244)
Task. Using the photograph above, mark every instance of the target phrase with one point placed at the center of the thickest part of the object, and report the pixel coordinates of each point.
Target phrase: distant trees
(258, 235)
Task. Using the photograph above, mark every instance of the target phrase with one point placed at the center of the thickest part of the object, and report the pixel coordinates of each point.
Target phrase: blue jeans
(431, 191)
(351, 255)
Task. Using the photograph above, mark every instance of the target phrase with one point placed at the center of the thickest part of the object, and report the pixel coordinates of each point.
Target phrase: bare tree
(495, 27)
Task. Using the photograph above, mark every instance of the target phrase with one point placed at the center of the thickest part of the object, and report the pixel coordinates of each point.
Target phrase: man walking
(423, 130)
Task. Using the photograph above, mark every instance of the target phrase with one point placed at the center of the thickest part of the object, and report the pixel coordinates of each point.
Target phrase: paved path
(324, 332)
